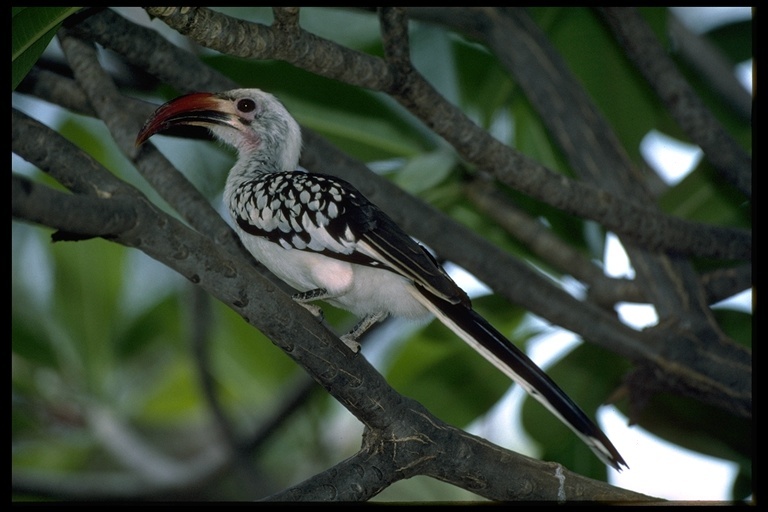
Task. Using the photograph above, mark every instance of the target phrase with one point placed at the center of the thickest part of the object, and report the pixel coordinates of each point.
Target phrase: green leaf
(734, 39)
(31, 30)
(532, 138)
(453, 381)
(608, 77)
(61, 453)
(368, 125)
(432, 54)
(446, 375)
(736, 324)
(173, 397)
(28, 340)
(87, 280)
(247, 366)
(159, 322)
(486, 87)
(426, 170)
(703, 196)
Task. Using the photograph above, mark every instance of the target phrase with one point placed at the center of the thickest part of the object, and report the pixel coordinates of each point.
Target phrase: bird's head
(250, 120)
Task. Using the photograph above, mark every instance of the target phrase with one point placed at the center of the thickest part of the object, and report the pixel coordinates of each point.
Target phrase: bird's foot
(304, 298)
(350, 339)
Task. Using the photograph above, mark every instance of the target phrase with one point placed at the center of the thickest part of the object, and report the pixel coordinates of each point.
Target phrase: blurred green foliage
(94, 323)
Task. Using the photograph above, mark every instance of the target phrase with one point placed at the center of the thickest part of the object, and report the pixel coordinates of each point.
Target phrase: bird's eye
(246, 105)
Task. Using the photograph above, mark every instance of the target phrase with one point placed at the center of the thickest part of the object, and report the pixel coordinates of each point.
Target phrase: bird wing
(327, 215)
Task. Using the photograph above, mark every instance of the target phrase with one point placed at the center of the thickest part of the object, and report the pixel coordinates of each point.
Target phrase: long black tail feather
(483, 337)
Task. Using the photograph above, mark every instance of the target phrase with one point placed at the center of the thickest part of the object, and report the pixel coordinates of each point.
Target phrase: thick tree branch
(681, 100)
(647, 228)
(546, 245)
(402, 439)
(710, 62)
(256, 41)
(520, 286)
(108, 104)
(349, 378)
(75, 215)
(391, 453)
(669, 282)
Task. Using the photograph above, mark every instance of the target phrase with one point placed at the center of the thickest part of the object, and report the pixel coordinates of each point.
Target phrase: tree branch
(710, 62)
(348, 377)
(402, 439)
(256, 41)
(681, 100)
(655, 232)
(669, 282)
(420, 446)
(72, 214)
(520, 284)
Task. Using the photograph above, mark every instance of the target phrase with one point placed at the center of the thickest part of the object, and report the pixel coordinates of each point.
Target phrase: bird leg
(304, 298)
(350, 339)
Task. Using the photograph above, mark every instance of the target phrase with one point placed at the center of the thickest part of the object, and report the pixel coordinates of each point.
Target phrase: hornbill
(325, 239)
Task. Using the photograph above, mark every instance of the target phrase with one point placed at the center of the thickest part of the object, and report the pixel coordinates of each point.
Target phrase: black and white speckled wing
(323, 214)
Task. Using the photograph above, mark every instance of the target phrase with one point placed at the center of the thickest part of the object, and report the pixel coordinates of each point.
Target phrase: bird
(326, 240)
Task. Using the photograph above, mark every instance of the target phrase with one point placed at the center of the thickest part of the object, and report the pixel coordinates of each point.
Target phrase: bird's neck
(274, 147)
(266, 156)
(254, 163)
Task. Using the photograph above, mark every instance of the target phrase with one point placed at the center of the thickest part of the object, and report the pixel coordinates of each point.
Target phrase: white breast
(359, 289)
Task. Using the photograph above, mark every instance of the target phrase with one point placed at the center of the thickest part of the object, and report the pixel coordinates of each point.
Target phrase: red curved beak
(197, 109)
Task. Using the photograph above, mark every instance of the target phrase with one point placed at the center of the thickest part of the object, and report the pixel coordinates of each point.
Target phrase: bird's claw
(316, 311)
(350, 341)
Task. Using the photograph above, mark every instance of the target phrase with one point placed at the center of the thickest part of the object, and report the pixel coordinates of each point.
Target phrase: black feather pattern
(476, 330)
(303, 211)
